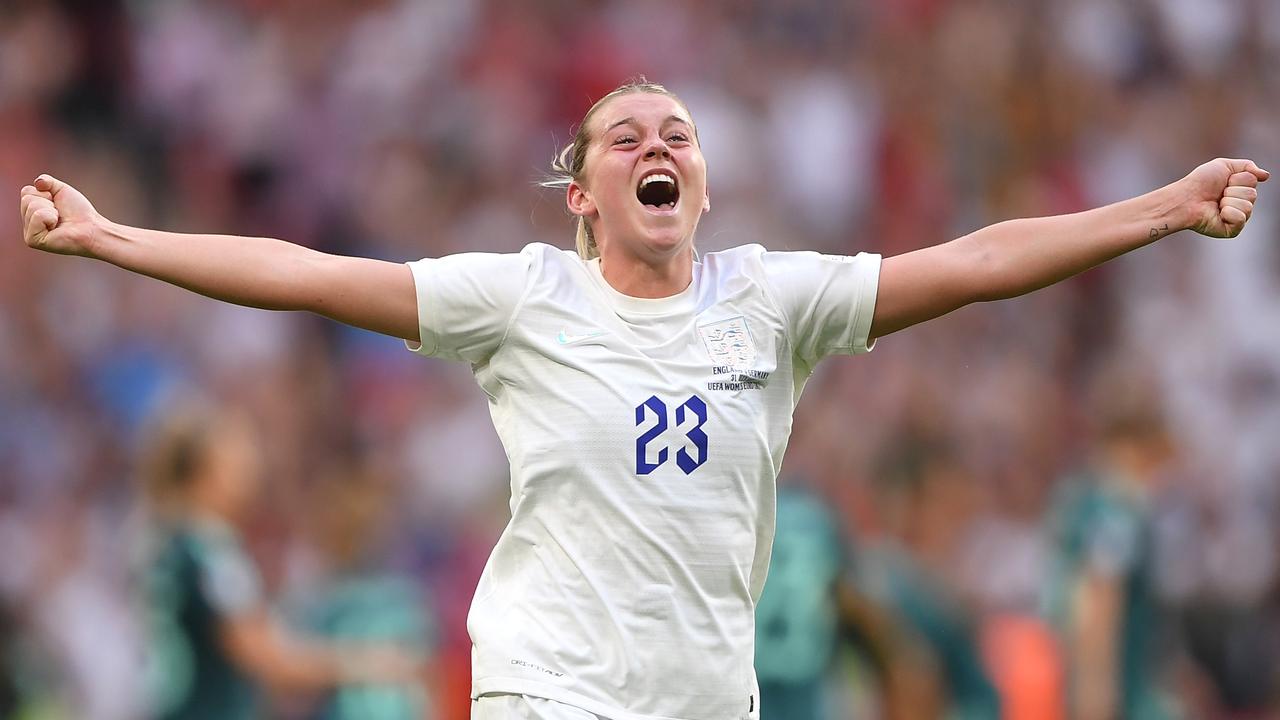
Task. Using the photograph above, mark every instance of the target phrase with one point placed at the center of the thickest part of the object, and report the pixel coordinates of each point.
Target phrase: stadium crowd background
(403, 129)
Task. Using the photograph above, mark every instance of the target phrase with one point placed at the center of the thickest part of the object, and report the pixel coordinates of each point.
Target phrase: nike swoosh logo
(565, 338)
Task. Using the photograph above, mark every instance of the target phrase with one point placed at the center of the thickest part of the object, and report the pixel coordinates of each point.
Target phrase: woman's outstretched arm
(257, 272)
(1015, 257)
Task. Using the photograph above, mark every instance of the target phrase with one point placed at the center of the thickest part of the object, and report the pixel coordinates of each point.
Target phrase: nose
(655, 148)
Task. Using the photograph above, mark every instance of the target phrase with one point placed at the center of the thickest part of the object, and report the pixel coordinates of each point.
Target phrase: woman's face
(230, 477)
(644, 180)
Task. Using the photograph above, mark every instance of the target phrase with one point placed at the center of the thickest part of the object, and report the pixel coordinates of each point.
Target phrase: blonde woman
(216, 645)
(644, 397)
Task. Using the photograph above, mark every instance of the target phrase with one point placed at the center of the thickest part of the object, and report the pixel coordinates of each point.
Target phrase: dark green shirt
(924, 604)
(796, 616)
(1101, 526)
(198, 577)
(372, 608)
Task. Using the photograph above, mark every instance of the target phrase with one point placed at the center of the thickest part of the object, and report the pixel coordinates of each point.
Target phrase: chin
(667, 242)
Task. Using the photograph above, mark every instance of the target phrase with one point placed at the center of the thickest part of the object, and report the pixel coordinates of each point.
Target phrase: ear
(579, 201)
(706, 202)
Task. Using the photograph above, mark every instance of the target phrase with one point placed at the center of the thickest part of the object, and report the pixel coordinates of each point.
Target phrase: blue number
(699, 438)
(686, 461)
(643, 466)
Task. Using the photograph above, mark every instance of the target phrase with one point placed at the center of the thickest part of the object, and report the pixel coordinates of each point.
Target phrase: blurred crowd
(1042, 495)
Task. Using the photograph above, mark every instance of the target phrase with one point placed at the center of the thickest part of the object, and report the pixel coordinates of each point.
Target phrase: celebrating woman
(644, 396)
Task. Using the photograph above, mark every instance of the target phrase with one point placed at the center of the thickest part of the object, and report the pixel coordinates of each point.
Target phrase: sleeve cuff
(869, 286)
(427, 344)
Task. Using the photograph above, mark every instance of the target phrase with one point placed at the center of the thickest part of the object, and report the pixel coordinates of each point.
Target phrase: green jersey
(1100, 527)
(796, 615)
(198, 577)
(372, 608)
(927, 606)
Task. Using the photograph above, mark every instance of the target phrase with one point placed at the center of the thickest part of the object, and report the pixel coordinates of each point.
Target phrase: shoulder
(743, 260)
(756, 256)
(543, 259)
(734, 255)
(549, 253)
(529, 256)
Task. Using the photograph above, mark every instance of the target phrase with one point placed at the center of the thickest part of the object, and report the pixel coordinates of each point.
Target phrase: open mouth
(658, 190)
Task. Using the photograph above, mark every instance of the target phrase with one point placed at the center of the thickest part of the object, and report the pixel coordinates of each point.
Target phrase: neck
(651, 278)
(1134, 462)
(210, 505)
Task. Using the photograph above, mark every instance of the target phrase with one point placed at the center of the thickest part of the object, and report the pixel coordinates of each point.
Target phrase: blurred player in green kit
(809, 604)
(215, 645)
(357, 599)
(1103, 594)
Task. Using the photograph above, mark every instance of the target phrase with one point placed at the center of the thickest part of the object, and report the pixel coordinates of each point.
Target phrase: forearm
(1094, 649)
(1015, 257)
(252, 271)
(300, 669)
(269, 274)
(265, 651)
(1018, 256)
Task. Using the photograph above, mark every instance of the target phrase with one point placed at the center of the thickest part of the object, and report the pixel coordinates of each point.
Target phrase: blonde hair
(569, 164)
(174, 451)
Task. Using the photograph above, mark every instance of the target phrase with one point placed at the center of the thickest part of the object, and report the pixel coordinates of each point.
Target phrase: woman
(643, 398)
(214, 642)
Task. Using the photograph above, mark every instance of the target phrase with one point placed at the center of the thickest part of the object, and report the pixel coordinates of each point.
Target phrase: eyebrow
(632, 121)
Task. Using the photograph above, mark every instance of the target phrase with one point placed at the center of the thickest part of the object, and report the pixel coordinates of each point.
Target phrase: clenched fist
(57, 218)
(1220, 196)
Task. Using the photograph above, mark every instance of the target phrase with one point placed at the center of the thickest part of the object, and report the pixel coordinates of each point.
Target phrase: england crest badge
(729, 343)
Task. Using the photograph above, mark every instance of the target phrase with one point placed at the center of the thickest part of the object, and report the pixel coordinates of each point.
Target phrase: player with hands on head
(643, 394)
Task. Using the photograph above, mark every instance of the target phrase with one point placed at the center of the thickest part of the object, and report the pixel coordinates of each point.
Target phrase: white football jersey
(644, 437)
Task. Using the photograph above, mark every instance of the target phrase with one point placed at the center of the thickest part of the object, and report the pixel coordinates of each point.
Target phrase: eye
(623, 139)
(677, 137)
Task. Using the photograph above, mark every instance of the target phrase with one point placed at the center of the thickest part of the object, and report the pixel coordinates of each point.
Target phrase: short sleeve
(466, 301)
(1113, 541)
(228, 579)
(827, 300)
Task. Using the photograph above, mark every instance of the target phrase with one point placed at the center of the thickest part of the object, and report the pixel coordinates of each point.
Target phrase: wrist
(1171, 209)
(103, 237)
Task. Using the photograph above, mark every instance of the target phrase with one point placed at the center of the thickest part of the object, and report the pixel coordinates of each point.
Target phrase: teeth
(656, 177)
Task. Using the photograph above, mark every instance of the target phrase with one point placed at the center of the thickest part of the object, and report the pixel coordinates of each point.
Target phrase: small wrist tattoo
(1155, 232)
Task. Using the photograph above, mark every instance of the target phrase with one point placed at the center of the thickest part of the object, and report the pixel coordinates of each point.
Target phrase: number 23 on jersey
(652, 452)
